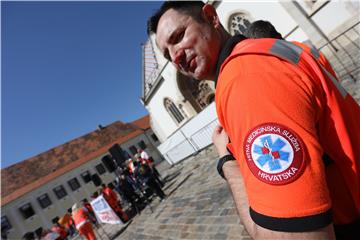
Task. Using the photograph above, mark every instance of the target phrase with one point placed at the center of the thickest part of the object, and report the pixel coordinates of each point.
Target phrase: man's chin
(195, 75)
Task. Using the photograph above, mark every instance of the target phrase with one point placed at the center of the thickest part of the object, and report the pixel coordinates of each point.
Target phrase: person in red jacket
(112, 199)
(294, 130)
(82, 222)
(90, 209)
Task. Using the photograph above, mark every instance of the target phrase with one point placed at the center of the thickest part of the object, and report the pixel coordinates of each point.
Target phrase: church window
(238, 23)
(173, 110)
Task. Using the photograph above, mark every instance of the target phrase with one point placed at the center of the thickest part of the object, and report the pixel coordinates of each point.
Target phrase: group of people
(78, 220)
(288, 139)
(139, 180)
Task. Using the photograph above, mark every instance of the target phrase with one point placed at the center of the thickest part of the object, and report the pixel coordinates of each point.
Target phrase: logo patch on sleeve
(274, 153)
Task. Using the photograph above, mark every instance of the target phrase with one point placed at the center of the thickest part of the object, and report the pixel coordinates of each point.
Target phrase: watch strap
(222, 160)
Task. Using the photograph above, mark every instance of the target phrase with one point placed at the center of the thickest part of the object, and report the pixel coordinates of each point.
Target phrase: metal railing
(192, 137)
(343, 52)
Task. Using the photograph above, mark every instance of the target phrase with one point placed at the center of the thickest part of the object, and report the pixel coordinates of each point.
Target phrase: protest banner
(104, 212)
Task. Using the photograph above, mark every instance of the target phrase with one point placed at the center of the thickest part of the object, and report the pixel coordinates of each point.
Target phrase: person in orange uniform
(83, 222)
(112, 199)
(90, 209)
(294, 130)
(68, 222)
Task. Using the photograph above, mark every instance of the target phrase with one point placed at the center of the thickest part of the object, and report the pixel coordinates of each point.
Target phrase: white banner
(104, 212)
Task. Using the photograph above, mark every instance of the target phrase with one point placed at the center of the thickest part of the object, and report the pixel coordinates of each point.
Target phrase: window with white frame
(100, 169)
(27, 210)
(154, 137)
(142, 144)
(86, 176)
(74, 184)
(44, 200)
(60, 192)
(133, 150)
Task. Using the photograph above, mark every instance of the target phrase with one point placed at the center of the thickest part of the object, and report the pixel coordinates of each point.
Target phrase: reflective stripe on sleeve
(79, 225)
(286, 50)
(335, 82)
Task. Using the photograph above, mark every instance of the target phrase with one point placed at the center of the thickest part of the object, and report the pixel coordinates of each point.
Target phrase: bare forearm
(237, 187)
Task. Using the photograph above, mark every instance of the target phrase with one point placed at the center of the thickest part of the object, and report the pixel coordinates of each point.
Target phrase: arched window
(173, 110)
(238, 23)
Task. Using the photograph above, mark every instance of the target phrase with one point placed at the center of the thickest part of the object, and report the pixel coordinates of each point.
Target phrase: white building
(174, 100)
(43, 187)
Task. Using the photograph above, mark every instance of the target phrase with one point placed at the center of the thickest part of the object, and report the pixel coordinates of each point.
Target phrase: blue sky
(67, 67)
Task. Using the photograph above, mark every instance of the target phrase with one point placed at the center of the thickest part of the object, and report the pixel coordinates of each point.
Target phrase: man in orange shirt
(288, 119)
(82, 222)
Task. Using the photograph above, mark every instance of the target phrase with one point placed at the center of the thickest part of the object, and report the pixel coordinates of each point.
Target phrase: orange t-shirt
(281, 121)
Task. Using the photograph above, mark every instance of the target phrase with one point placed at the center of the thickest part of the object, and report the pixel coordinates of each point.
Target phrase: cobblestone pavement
(198, 206)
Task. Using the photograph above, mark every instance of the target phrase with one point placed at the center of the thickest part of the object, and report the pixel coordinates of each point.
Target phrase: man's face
(192, 46)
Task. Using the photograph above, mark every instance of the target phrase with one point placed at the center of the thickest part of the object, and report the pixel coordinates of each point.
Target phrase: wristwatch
(221, 162)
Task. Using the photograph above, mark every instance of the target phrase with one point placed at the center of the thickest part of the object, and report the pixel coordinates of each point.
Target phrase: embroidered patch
(274, 153)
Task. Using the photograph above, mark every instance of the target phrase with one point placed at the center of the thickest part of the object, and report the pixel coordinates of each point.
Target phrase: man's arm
(237, 187)
(235, 181)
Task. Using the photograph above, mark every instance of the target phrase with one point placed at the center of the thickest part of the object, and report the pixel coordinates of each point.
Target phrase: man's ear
(210, 15)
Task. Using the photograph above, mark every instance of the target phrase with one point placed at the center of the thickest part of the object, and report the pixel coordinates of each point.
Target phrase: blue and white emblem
(274, 153)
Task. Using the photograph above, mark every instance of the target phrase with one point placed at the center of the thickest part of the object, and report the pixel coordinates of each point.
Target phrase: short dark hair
(192, 8)
(262, 29)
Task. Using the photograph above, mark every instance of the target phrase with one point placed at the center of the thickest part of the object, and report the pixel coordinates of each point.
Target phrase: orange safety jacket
(80, 217)
(317, 55)
(286, 114)
(110, 196)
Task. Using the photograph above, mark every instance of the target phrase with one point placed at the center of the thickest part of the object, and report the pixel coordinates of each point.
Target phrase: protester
(49, 235)
(144, 174)
(90, 209)
(59, 229)
(286, 116)
(125, 185)
(143, 157)
(82, 221)
(112, 199)
(130, 165)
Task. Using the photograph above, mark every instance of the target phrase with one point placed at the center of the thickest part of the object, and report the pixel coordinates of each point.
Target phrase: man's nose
(177, 56)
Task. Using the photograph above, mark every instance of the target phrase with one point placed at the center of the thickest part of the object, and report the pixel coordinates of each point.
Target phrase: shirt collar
(225, 52)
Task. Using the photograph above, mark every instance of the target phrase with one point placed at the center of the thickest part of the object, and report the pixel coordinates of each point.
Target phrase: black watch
(221, 162)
